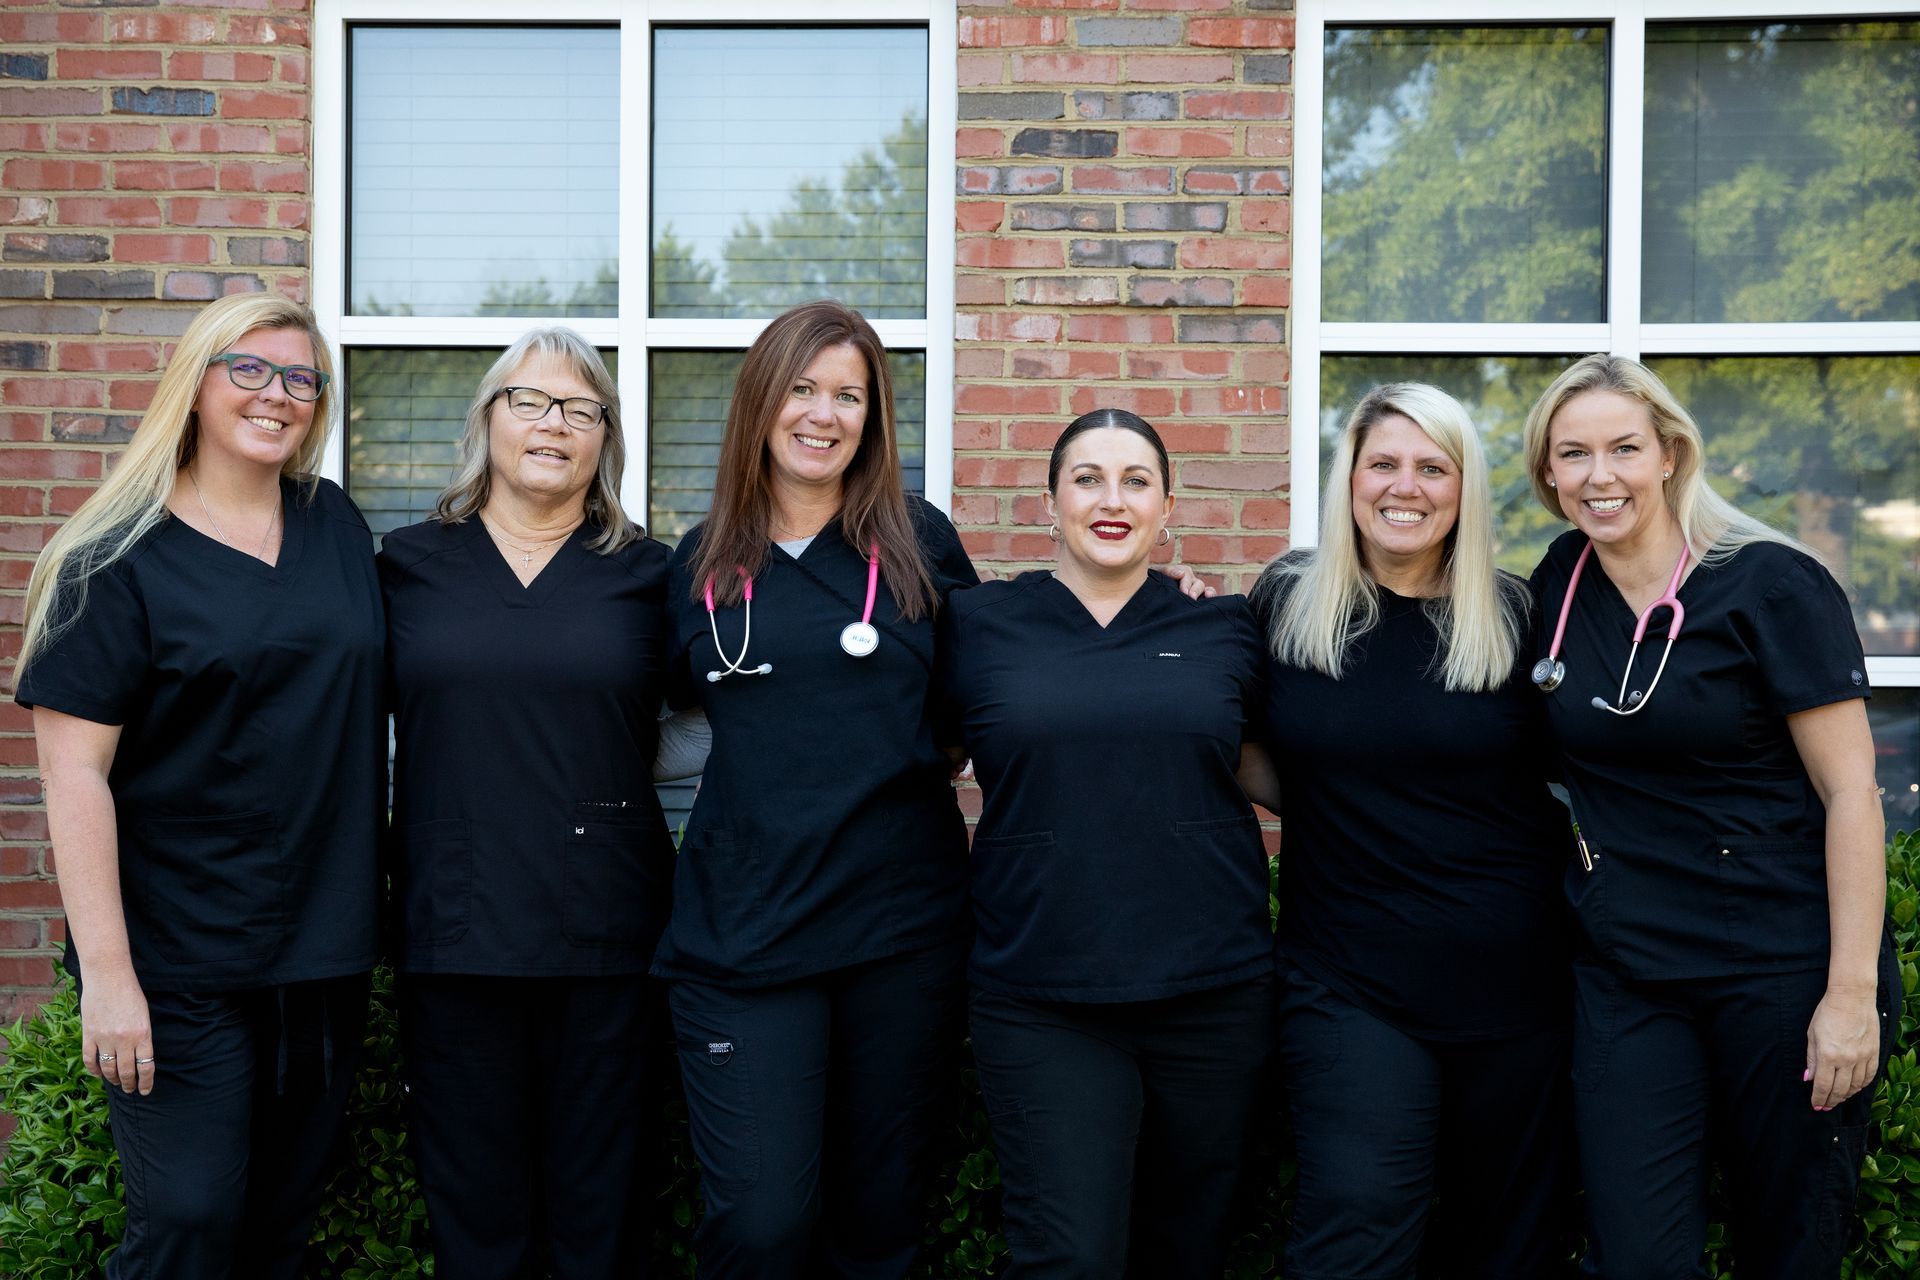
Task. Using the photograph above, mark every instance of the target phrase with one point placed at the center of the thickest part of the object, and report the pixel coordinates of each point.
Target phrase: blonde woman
(1706, 688)
(1422, 959)
(203, 659)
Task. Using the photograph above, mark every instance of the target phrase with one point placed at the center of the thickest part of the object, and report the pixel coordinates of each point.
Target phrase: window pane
(1465, 175)
(1782, 173)
(1895, 717)
(485, 171)
(690, 391)
(1828, 449)
(768, 191)
(406, 408)
(1497, 391)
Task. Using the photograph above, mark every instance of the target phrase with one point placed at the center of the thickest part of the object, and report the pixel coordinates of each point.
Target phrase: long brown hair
(873, 502)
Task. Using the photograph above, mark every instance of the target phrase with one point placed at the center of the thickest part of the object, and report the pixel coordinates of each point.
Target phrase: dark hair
(873, 502)
(1097, 419)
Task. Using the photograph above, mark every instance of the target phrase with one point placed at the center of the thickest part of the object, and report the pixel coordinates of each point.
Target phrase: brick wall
(151, 158)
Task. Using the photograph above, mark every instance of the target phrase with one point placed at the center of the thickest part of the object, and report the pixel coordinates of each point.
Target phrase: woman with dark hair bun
(814, 953)
(1122, 962)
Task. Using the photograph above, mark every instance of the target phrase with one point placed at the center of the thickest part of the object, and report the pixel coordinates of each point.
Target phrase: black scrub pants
(1122, 1129)
(529, 1109)
(1384, 1121)
(224, 1162)
(1670, 1075)
(814, 1106)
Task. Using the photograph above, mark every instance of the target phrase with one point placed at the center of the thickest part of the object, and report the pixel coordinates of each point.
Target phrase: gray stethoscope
(1550, 671)
(858, 639)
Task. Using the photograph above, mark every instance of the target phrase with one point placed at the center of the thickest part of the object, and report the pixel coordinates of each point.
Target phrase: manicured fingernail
(1806, 1075)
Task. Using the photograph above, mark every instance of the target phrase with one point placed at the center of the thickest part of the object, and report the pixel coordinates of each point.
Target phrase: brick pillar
(1124, 242)
(151, 158)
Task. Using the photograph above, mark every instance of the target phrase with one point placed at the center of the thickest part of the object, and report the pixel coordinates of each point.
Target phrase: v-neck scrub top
(248, 783)
(1421, 862)
(527, 835)
(825, 832)
(1707, 837)
(1116, 858)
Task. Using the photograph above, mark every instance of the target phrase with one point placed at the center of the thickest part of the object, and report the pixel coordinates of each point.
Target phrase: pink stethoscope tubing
(1550, 671)
(858, 638)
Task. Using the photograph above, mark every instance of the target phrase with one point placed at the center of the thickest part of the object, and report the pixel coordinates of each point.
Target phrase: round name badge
(859, 639)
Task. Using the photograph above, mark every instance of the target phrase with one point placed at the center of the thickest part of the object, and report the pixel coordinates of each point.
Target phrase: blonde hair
(1713, 527)
(1334, 600)
(132, 500)
(472, 482)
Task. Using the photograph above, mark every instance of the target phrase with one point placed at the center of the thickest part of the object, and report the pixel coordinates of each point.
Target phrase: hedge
(60, 1209)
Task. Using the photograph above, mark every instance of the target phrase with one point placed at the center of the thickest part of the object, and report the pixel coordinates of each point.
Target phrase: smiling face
(1406, 498)
(543, 460)
(253, 428)
(816, 431)
(1606, 463)
(1109, 502)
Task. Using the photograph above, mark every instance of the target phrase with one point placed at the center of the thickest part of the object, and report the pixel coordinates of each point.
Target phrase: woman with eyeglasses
(532, 867)
(203, 659)
(1734, 987)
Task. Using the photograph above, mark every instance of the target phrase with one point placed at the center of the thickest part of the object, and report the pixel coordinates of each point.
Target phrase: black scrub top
(825, 832)
(1116, 858)
(249, 780)
(1707, 838)
(1422, 852)
(527, 836)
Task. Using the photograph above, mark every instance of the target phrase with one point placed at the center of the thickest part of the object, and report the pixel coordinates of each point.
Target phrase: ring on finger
(143, 1062)
(107, 1057)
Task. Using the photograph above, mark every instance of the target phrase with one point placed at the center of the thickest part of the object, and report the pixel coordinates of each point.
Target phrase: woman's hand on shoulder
(1192, 585)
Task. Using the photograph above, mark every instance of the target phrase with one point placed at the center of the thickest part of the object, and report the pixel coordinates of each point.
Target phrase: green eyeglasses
(251, 373)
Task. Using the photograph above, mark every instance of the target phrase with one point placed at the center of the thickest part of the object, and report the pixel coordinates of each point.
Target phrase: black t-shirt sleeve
(680, 693)
(947, 559)
(98, 665)
(1250, 646)
(1804, 641)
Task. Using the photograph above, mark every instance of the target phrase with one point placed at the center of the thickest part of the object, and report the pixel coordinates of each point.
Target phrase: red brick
(1203, 513)
(1066, 4)
(163, 248)
(976, 433)
(290, 140)
(281, 177)
(980, 291)
(1241, 33)
(972, 472)
(24, 971)
(1004, 252)
(109, 211)
(1009, 326)
(1223, 254)
(22, 934)
(18, 500)
(262, 104)
(23, 137)
(294, 287)
(293, 68)
(131, 393)
(1275, 514)
(1269, 364)
(1030, 508)
(1191, 143)
(110, 357)
(1035, 436)
(78, 136)
(976, 508)
(1266, 215)
(975, 143)
(975, 398)
(66, 501)
(1266, 437)
(1243, 104)
(164, 27)
(981, 68)
(50, 28)
(1154, 179)
(1066, 68)
(979, 215)
(1208, 548)
(25, 211)
(1148, 402)
(53, 393)
(227, 139)
(109, 64)
(1196, 437)
(23, 426)
(291, 214)
(223, 65)
(1233, 401)
(54, 175)
(1266, 291)
(1009, 33)
(50, 102)
(1186, 5)
(1269, 140)
(1223, 473)
(1179, 68)
(194, 211)
(1066, 363)
(45, 464)
(1120, 329)
(282, 29)
(1180, 291)
(164, 175)
(1180, 365)
(1067, 291)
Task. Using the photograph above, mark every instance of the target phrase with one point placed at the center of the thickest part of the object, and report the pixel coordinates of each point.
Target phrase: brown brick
(105, 135)
(262, 104)
(165, 248)
(1009, 33)
(221, 65)
(54, 175)
(50, 28)
(264, 29)
(288, 177)
(164, 27)
(51, 102)
(110, 357)
(1241, 33)
(109, 64)
(109, 211)
(164, 175)
(195, 211)
(1144, 180)
(227, 139)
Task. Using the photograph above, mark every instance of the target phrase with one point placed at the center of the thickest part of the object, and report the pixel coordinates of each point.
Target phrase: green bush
(60, 1209)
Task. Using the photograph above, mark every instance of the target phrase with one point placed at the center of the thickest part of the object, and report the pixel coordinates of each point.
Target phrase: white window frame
(1622, 333)
(634, 333)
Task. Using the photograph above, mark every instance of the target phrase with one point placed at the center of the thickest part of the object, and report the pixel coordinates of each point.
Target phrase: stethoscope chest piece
(859, 638)
(1548, 673)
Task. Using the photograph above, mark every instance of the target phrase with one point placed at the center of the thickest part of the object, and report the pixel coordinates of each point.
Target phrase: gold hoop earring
(1165, 537)
(1053, 531)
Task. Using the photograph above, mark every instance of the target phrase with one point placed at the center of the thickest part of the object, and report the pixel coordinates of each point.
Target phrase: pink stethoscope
(1550, 671)
(858, 638)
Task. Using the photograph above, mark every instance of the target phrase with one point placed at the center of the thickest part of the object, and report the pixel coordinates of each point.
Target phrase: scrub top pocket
(1773, 897)
(614, 883)
(718, 897)
(436, 880)
(211, 889)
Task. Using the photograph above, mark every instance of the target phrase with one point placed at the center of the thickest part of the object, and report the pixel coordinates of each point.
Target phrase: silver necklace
(527, 553)
(220, 533)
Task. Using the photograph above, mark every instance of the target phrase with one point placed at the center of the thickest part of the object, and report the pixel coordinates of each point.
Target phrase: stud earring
(1666, 475)
(1551, 484)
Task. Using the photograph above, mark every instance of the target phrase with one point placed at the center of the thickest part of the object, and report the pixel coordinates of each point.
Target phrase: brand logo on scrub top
(1165, 654)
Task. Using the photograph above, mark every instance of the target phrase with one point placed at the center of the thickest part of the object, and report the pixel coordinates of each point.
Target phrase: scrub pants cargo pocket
(716, 1069)
(436, 880)
(209, 889)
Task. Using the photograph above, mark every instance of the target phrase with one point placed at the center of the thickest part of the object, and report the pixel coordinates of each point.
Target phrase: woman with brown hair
(816, 946)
